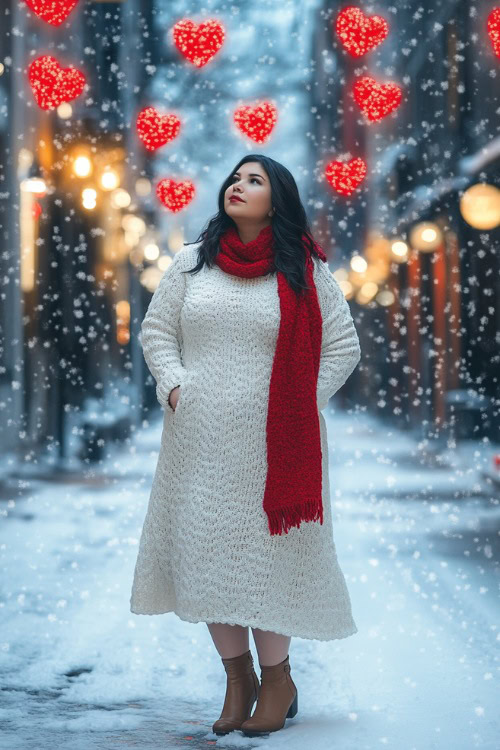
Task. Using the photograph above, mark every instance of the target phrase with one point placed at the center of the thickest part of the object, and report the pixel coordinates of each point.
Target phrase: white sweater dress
(205, 550)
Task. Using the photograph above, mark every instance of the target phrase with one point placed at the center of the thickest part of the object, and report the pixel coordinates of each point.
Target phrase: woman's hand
(174, 396)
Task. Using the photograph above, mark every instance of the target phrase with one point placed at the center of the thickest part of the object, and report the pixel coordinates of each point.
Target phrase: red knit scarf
(294, 473)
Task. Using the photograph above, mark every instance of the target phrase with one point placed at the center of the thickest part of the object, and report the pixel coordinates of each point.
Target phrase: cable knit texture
(205, 550)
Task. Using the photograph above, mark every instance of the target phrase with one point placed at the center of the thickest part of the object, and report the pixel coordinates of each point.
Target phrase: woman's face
(251, 184)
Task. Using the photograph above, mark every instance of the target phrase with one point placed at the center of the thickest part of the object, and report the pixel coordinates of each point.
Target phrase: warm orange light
(480, 206)
(426, 236)
(120, 198)
(123, 311)
(358, 263)
(109, 179)
(82, 166)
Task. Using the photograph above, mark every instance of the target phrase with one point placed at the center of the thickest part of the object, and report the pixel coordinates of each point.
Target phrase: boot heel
(293, 708)
(242, 690)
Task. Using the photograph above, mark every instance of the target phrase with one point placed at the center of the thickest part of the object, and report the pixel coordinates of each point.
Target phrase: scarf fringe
(282, 519)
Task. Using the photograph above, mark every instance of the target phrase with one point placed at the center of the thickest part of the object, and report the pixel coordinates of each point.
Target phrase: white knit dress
(205, 551)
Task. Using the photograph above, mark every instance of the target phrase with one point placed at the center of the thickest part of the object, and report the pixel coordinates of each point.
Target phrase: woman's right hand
(174, 396)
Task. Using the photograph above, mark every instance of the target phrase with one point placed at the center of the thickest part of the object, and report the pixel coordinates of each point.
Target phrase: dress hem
(253, 624)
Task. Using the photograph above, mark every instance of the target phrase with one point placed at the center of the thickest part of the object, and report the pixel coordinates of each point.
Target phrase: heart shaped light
(360, 33)
(376, 100)
(198, 43)
(256, 121)
(52, 84)
(52, 11)
(493, 27)
(175, 195)
(345, 177)
(156, 130)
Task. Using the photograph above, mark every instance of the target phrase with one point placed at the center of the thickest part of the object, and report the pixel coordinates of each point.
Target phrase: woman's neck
(250, 232)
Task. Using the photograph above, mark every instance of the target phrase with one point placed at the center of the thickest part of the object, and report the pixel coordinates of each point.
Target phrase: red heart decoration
(198, 42)
(52, 84)
(175, 195)
(493, 26)
(256, 121)
(344, 177)
(360, 33)
(376, 100)
(52, 11)
(156, 130)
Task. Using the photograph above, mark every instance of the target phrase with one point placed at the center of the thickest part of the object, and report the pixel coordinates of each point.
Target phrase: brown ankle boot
(277, 701)
(242, 690)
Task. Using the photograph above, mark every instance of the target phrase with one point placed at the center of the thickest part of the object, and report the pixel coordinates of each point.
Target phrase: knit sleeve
(340, 349)
(160, 336)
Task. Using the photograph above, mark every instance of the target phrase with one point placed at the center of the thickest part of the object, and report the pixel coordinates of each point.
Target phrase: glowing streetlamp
(82, 166)
(133, 223)
(64, 111)
(399, 251)
(426, 236)
(123, 321)
(385, 298)
(34, 185)
(109, 179)
(358, 263)
(120, 198)
(480, 206)
(367, 292)
(152, 252)
(89, 198)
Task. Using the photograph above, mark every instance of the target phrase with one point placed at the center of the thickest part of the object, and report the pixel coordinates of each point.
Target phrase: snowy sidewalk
(418, 546)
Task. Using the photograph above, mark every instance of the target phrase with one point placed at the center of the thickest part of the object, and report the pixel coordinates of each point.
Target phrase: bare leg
(271, 647)
(229, 640)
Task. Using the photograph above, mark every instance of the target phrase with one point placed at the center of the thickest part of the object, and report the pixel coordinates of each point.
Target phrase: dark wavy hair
(289, 223)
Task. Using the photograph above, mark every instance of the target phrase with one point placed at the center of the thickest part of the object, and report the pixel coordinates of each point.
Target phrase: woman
(248, 335)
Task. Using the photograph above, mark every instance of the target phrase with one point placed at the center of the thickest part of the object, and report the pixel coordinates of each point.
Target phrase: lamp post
(427, 240)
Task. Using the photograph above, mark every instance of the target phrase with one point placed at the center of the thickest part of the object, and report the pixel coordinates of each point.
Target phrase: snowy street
(416, 541)
(266, 207)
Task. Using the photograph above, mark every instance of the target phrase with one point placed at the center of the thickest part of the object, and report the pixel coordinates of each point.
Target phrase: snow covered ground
(418, 545)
